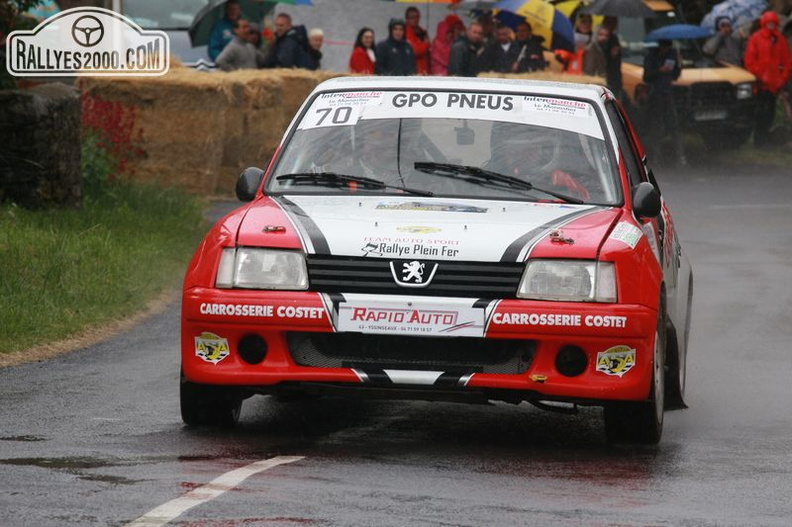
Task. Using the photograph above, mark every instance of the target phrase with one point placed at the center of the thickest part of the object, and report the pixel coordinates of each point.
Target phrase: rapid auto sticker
(407, 315)
(386, 318)
(496, 233)
(626, 233)
(616, 361)
(211, 347)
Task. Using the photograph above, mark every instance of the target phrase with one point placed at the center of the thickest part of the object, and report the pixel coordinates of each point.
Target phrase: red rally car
(445, 239)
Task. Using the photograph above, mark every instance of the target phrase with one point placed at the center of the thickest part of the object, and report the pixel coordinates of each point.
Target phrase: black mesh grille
(461, 355)
(709, 94)
(340, 274)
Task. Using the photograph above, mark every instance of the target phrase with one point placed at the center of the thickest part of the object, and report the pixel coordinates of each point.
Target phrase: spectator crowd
(407, 49)
(484, 46)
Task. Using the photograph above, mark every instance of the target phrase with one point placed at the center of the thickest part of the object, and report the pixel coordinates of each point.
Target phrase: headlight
(569, 281)
(255, 268)
(745, 90)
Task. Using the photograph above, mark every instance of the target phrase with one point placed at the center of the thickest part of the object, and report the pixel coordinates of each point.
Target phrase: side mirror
(248, 182)
(646, 200)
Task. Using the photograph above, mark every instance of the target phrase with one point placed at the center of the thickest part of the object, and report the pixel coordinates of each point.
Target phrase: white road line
(174, 508)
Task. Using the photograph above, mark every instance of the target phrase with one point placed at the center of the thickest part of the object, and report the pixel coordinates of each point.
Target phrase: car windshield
(173, 14)
(493, 146)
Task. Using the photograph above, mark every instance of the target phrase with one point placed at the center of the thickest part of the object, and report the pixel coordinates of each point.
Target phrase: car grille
(336, 274)
(454, 355)
(704, 95)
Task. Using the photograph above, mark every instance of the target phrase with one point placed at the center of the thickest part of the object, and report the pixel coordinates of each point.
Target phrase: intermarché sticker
(87, 41)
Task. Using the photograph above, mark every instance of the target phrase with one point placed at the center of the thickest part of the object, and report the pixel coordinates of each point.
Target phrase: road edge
(89, 336)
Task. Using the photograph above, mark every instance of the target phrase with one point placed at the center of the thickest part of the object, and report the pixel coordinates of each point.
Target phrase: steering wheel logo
(87, 31)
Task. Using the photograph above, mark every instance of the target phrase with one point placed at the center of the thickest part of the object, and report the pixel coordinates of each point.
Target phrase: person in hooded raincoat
(418, 38)
(395, 55)
(767, 57)
(448, 30)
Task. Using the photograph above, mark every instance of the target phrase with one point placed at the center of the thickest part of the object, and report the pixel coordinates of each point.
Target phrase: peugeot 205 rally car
(446, 239)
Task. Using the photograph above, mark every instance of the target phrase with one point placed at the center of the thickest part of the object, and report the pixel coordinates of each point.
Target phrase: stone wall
(40, 146)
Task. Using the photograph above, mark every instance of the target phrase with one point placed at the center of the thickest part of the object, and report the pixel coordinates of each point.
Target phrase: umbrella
(474, 5)
(205, 19)
(678, 32)
(571, 8)
(43, 10)
(629, 8)
(740, 12)
(546, 21)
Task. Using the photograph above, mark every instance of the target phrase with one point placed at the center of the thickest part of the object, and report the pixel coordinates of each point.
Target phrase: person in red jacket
(418, 39)
(767, 56)
(363, 57)
(448, 30)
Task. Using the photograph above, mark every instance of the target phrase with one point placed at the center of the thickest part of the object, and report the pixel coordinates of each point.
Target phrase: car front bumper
(581, 352)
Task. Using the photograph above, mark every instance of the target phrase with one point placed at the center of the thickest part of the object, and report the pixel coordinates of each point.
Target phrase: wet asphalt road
(95, 437)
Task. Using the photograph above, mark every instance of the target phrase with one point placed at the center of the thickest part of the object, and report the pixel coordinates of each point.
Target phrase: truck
(713, 99)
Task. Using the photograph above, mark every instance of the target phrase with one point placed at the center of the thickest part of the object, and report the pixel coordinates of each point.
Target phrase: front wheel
(207, 405)
(641, 422)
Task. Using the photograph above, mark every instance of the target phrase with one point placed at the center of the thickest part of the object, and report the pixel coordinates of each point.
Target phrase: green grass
(63, 271)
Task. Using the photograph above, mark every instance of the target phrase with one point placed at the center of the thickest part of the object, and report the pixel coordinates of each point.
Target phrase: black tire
(642, 422)
(207, 405)
(674, 372)
(717, 140)
(676, 363)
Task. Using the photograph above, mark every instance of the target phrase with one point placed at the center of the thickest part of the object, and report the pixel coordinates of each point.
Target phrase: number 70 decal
(333, 116)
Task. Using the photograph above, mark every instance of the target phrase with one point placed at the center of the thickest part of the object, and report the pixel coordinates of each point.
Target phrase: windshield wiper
(478, 176)
(332, 179)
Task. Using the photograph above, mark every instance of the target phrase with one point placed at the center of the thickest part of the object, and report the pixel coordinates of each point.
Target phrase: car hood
(427, 228)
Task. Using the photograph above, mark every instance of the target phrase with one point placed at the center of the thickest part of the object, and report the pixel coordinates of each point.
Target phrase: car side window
(631, 160)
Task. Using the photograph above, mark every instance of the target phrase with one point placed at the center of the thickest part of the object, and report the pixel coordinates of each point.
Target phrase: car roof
(590, 92)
